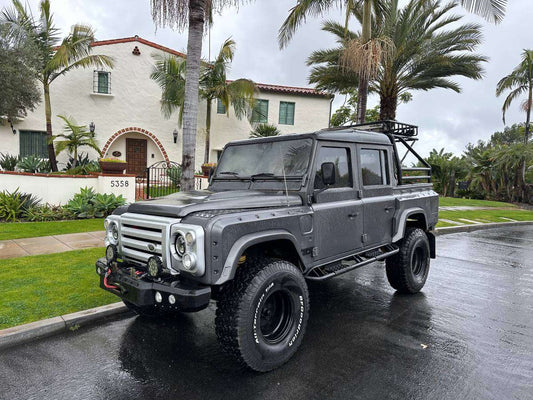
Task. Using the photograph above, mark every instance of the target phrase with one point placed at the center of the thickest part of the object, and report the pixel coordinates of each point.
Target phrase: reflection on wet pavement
(469, 334)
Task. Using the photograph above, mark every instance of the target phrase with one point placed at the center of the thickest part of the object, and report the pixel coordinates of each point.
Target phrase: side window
(102, 82)
(340, 156)
(286, 113)
(374, 167)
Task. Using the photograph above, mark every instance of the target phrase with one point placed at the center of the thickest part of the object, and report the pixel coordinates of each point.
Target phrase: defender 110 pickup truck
(278, 212)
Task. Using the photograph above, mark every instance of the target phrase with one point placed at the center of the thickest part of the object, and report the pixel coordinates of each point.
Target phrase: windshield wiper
(228, 173)
(262, 174)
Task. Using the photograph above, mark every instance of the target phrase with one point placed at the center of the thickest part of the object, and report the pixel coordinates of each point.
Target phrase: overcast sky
(446, 119)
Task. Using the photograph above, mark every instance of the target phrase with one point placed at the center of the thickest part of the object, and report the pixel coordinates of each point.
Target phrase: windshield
(283, 157)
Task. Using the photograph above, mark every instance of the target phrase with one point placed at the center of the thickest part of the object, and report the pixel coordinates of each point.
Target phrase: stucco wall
(60, 189)
(135, 102)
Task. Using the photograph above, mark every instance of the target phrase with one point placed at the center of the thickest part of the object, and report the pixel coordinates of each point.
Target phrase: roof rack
(398, 132)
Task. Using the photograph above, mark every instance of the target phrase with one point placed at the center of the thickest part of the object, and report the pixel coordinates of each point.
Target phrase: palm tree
(214, 85)
(368, 51)
(75, 136)
(192, 14)
(56, 56)
(169, 73)
(264, 130)
(424, 55)
(519, 81)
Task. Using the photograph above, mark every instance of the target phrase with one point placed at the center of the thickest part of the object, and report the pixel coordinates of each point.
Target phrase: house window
(286, 113)
(102, 82)
(260, 111)
(374, 167)
(33, 143)
(221, 108)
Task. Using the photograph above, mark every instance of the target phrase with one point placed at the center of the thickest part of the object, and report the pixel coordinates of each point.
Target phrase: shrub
(84, 165)
(174, 174)
(14, 205)
(48, 212)
(8, 162)
(88, 204)
(34, 164)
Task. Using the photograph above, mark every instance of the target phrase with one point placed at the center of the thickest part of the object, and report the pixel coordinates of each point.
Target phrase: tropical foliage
(264, 130)
(74, 137)
(519, 82)
(55, 56)
(34, 164)
(169, 73)
(88, 204)
(14, 205)
(429, 47)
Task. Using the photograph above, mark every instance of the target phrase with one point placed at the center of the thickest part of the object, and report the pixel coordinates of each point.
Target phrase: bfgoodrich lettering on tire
(408, 269)
(262, 314)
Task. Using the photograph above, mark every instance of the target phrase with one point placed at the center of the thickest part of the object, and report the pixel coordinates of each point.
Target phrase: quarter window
(286, 113)
(102, 82)
(340, 156)
(374, 167)
(221, 108)
(33, 143)
(260, 111)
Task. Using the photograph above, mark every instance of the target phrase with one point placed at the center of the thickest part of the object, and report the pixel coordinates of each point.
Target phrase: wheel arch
(415, 216)
(281, 240)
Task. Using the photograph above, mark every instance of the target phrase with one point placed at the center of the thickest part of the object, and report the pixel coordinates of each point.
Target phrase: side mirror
(328, 173)
(210, 174)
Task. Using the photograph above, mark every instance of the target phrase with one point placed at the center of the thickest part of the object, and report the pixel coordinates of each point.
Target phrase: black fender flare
(246, 241)
(401, 219)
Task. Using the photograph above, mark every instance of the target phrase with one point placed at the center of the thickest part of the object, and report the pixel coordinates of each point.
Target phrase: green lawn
(451, 201)
(45, 286)
(19, 230)
(484, 216)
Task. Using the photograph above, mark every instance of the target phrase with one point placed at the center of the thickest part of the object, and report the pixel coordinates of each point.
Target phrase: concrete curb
(476, 227)
(47, 327)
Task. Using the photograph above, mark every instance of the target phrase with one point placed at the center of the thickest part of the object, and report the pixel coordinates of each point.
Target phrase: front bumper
(142, 293)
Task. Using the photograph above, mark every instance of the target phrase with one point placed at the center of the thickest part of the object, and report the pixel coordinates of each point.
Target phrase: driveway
(468, 335)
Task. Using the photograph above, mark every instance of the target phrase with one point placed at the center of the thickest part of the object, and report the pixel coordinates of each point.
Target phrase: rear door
(338, 213)
(375, 174)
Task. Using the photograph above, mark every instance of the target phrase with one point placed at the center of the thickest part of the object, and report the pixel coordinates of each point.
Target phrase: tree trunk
(190, 106)
(387, 106)
(75, 162)
(48, 114)
(366, 35)
(207, 131)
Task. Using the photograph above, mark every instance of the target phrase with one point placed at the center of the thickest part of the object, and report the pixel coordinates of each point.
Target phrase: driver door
(338, 213)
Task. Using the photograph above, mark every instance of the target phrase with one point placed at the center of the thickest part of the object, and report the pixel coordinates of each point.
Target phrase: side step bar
(323, 272)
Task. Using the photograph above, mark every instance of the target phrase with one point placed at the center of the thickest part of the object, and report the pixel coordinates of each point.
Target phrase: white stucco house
(124, 105)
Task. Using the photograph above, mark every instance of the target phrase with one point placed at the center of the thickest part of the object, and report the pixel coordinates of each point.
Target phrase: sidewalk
(50, 244)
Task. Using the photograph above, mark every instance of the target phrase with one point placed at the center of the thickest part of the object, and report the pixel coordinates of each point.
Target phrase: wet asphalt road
(468, 335)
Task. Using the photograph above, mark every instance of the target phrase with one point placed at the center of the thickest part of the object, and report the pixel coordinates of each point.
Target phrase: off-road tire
(408, 269)
(262, 314)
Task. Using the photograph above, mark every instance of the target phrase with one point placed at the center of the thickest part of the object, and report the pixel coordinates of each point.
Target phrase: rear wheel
(262, 314)
(408, 269)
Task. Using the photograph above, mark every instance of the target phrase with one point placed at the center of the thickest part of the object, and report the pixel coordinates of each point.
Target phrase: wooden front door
(136, 156)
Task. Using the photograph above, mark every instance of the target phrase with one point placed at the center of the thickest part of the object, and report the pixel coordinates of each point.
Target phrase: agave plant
(8, 162)
(33, 164)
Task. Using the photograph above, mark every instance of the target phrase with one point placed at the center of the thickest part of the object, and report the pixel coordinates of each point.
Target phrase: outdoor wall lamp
(175, 134)
(92, 127)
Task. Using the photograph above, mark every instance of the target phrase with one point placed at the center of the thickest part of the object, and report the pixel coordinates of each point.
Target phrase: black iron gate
(160, 179)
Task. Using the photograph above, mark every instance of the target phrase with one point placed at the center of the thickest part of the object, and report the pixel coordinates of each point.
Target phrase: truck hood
(184, 203)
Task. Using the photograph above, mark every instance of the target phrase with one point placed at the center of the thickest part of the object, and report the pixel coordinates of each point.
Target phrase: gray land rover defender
(278, 212)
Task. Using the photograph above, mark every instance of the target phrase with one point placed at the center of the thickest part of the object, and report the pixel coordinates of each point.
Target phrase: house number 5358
(120, 183)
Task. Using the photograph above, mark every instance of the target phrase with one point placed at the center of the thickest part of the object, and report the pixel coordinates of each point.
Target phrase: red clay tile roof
(261, 86)
(140, 40)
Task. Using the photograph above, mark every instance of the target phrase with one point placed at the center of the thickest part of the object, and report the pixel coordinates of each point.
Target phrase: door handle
(353, 215)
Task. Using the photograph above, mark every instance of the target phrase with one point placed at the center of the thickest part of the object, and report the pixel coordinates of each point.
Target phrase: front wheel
(408, 269)
(262, 314)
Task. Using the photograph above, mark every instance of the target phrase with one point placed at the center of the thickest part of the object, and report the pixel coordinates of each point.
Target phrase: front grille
(143, 236)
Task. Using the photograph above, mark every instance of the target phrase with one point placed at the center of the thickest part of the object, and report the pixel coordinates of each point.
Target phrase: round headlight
(111, 253)
(189, 261)
(114, 232)
(179, 244)
(154, 266)
(189, 238)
